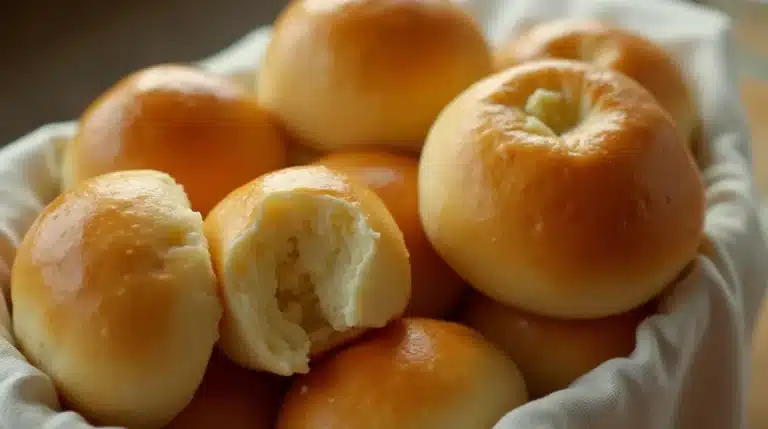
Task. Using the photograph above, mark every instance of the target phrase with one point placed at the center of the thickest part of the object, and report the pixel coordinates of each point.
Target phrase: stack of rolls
(400, 227)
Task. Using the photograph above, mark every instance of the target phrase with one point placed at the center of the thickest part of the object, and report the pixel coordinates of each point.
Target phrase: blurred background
(56, 56)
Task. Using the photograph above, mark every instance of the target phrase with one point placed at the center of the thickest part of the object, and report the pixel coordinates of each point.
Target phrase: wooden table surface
(755, 96)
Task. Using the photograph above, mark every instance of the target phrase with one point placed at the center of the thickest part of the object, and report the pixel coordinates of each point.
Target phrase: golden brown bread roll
(435, 288)
(607, 45)
(413, 374)
(231, 397)
(561, 189)
(552, 353)
(305, 259)
(114, 297)
(342, 73)
(205, 131)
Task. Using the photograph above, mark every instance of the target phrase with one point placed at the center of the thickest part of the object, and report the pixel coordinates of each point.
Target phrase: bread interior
(299, 272)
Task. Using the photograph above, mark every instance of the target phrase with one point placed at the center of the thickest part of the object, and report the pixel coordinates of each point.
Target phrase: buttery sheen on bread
(208, 133)
(435, 288)
(562, 189)
(305, 259)
(343, 73)
(114, 297)
(606, 45)
(552, 353)
(413, 374)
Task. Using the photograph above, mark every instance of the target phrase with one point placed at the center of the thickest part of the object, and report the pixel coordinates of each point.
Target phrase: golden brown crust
(435, 288)
(609, 46)
(203, 130)
(341, 73)
(553, 353)
(103, 285)
(415, 373)
(586, 222)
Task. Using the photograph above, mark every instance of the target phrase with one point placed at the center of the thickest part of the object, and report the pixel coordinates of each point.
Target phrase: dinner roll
(305, 259)
(435, 288)
(342, 73)
(231, 397)
(607, 45)
(205, 131)
(561, 189)
(114, 297)
(552, 353)
(413, 374)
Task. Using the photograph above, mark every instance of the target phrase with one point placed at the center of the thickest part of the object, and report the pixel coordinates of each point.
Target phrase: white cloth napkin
(689, 369)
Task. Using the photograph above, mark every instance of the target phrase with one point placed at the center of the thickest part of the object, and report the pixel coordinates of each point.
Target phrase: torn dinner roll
(306, 259)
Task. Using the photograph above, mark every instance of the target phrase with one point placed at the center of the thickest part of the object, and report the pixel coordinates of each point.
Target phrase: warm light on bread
(232, 397)
(606, 45)
(552, 353)
(114, 298)
(413, 374)
(205, 131)
(344, 73)
(305, 258)
(561, 189)
(435, 288)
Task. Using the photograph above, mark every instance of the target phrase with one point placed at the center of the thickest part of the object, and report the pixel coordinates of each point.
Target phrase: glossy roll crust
(206, 132)
(561, 189)
(552, 353)
(114, 298)
(413, 374)
(341, 73)
(609, 46)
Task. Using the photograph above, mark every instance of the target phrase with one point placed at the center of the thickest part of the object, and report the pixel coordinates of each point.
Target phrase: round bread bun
(552, 353)
(561, 189)
(202, 129)
(114, 297)
(413, 374)
(232, 397)
(435, 288)
(606, 45)
(306, 259)
(341, 73)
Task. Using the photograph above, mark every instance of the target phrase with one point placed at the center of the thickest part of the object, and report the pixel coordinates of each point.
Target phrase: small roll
(114, 297)
(204, 130)
(341, 73)
(606, 45)
(435, 288)
(552, 353)
(232, 397)
(413, 374)
(561, 189)
(306, 259)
